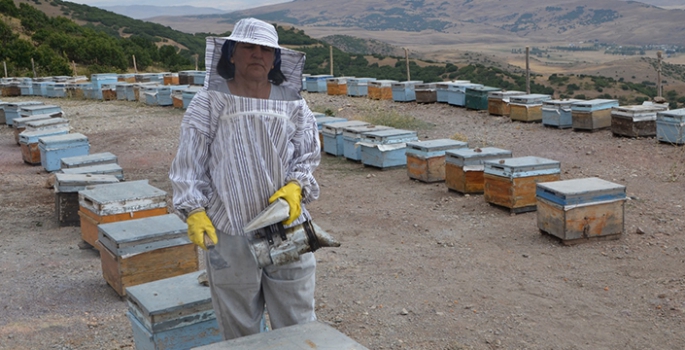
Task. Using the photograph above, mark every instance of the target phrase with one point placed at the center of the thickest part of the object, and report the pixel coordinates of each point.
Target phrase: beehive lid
(580, 191)
(559, 103)
(482, 88)
(405, 84)
(131, 237)
(358, 130)
(360, 81)
(108, 169)
(436, 145)
(636, 112)
(320, 122)
(97, 158)
(35, 108)
(319, 77)
(595, 104)
(504, 94)
(161, 304)
(474, 157)
(21, 122)
(425, 87)
(47, 122)
(678, 114)
(63, 140)
(390, 136)
(463, 87)
(446, 84)
(382, 83)
(192, 90)
(31, 136)
(522, 167)
(337, 128)
(68, 183)
(17, 105)
(122, 197)
(529, 99)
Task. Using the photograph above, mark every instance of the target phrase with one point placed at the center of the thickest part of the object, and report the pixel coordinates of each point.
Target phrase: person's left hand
(291, 193)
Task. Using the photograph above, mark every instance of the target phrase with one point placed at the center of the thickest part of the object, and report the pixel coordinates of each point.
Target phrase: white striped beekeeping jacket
(235, 152)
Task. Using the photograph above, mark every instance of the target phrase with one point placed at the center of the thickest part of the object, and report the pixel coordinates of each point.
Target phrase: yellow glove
(292, 193)
(199, 225)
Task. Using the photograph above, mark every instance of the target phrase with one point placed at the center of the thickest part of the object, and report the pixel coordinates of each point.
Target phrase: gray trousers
(240, 291)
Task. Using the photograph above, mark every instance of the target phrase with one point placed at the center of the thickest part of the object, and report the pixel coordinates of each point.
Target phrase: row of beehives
(155, 89)
(144, 251)
(571, 210)
(646, 120)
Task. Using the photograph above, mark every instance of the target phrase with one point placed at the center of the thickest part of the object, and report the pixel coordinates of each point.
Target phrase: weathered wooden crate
(185, 77)
(170, 79)
(634, 121)
(464, 168)
(476, 97)
(670, 126)
(511, 182)
(126, 78)
(357, 87)
(19, 124)
(12, 110)
(177, 99)
(317, 83)
(10, 90)
(581, 210)
(143, 250)
(100, 169)
(312, 335)
(527, 108)
(66, 194)
(89, 160)
(337, 86)
(442, 89)
(174, 313)
(54, 148)
(380, 89)
(109, 92)
(592, 115)
(386, 148)
(557, 113)
(426, 159)
(404, 91)
(498, 102)
(332, 136)
(123, 201)
(426, 93)
(28, 140)
(353, 135)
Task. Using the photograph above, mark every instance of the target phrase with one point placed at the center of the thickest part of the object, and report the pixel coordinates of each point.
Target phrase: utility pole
(33, 66)
(135, 67)
(406, 59)
(73, 65)
(4, 63)
(527, 70)
(659, 89)
(330, 54)
(196, 58)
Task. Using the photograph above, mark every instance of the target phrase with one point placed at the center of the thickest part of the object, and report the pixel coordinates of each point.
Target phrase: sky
(226, 5)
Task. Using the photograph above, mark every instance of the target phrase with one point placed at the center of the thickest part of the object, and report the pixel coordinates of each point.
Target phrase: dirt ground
(420, 267)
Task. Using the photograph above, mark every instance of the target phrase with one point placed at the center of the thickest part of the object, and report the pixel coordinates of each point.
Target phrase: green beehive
(477, 97)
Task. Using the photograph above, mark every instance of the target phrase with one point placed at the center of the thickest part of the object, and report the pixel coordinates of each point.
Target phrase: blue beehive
(325, 120)
(404, 91)
(121, 91)
(28, 140)
(386, 148)
(670, 126)
(456, 93)
(332, 136)
(34, 109)
(442, 89)
(358, 86)
(172, 314)
(97, 80)
(59, 90)
(188, 95)
(352, 135)
(164, 94)
(317, 83)
(199, 78)
(148, 94)
(12, 110)
(111, 169)
(557, 113)
(88, 160)
(26, 87)
(157, 78)
(54, 148)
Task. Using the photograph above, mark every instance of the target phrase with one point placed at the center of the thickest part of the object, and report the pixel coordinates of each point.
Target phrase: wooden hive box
(170, 79)
(592, 115)
(12, 110)
(337, 86)
(670, 126)
(581, 210)
(174, 313)
(177, 99)
(476, 97)
(28, 140)
(122, 201)
(426, 93)
(320, 122)
(464, 168)
(404, 91)
(351, 135)
(426, 159)
(185, 77)
(333, 138)
(527, 108)
(139, 91)
(635, 121)
(380, 89)
(88, 160)
(10, 89)
(126, 78)
(386, 148)
(98, 80)
(165, 95)
(109, 92)
(20, 124)
(557, 113)
(143, 250)
(510, 182)
(3, 120)
(442, 89)
(498, 102)
(67, 187)
(317, 83)
(54, 148)
(357, 87)
(188, 95)
(113, 169)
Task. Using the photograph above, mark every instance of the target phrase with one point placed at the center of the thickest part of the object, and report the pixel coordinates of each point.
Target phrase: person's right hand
(199, 225)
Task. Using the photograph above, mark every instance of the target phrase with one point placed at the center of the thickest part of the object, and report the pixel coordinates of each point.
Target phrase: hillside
(146, 11)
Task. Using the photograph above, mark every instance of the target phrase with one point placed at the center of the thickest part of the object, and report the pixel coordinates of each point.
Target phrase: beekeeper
(248, 138)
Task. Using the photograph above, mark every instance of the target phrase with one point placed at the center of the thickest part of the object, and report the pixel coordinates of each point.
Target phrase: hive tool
(273, 244)
(215, 258)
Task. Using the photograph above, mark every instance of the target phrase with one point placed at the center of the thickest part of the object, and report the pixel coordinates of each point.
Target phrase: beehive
(510, 182)
(177, 99)
(557, 113)
(174, 313)
(442, 89)
(635, 121)
(118, 202)
(426, 159)
(386, 148)
(352, 136)
(592, 115)
(320, 122)
(357, 87)
(188, 95)
(26, 87)
(98, 80)
(101, 169)
(426, 93)
(464, 168)
(527, 108)
(67, 187)
(332, 136)
(580, 210)
(380, 89)
(404, 91)
(476, 97)
(498, 102)
(89, 160)
(456, 93)
(670, 126)
(317, 83)
(337, 86)
(28, 140)
(170, 79)
(126, 78)
(54, 148)
(19, 124)
(12, 110)
(40, 124)
(109, 92)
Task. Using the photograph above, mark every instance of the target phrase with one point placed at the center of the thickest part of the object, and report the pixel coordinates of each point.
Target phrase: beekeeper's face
(253, 62)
